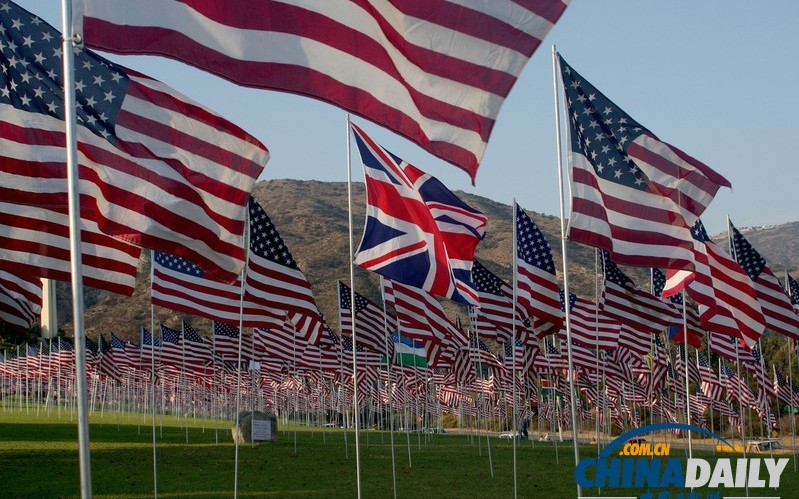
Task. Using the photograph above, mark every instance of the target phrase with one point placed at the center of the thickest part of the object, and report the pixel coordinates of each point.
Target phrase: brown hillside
(312, 217)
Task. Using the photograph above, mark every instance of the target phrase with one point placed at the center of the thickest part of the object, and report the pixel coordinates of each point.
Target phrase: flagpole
(563, 241)
(352, 313)
(513, 342)
(790, 376)
(68, 41)
(389, 361)
(685, 360)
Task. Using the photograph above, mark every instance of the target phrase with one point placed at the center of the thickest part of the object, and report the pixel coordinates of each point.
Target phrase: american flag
(106, 364)
(482, 355)
(171, 349)
(20, 300)
(197, 353)
(156, 169)
(373, 327)
(180, 285)
(119, 352)
(694, 376)
(494, 317)
(518, 357)
(274, 280)
(760, 373)
(640, 313)
(421, 316)
(736, 387)
(633, 195)
(590, 326)
(34, 241)
(417, 231)
(785, 390)
(675, 306)
(774, 301)
(793, 291)
(436, 72)
(722, 287)
(710, 385)
(226, 342)
(537, 292)
(150, 348)
(279, 342)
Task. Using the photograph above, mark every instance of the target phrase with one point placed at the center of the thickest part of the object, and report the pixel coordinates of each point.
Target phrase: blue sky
(717, 79)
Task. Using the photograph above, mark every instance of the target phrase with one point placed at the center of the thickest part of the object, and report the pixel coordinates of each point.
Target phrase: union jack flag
(417, 231)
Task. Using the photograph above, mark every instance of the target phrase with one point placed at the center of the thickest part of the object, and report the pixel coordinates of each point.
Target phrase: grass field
(39, 459)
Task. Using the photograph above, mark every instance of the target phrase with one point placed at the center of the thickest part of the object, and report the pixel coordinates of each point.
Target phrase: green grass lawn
(39, 459)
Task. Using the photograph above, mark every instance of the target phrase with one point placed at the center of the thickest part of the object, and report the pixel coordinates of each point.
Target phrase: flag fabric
(640, 313)
(436, 72)
(421, 316)
(774, 301)
(590, 326)
(711, 385)
(20, 300)
(632, 194)
(226, 341)
(494, 317)
(171, 349)
(793, 292)
(720, 285)
(372, 326)
(156, 169)
(275, 281)
(182, 286)
(417, 231)
(35, 241)
(197, 354)
(677, 331)
(537, 292)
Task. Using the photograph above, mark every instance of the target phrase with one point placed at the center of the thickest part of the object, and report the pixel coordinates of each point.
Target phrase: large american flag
(156, 169)
(774, 301)
(275, 281)
(436, 72)
(34, 241)
(721, 286)
(417, 231)
(537, 291)
(632, 194)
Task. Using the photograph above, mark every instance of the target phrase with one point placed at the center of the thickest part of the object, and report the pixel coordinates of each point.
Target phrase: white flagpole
(68, 41)
(514, 419)
(564, 247)
(389, 361)
(685, 360)
(352, 313)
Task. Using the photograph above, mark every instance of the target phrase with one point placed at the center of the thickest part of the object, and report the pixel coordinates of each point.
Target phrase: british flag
(417, 231)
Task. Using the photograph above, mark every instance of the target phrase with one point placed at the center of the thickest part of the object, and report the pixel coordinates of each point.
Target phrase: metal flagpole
(389, 361)
(685, 360)
(352, 313)
(564, 247)
(514, 419)
(238, 360)
(68, 41)
(153, 378)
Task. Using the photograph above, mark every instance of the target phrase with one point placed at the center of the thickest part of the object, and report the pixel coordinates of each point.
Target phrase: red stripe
(298, 80)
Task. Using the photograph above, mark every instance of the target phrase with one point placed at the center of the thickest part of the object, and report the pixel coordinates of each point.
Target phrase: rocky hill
(312, 218)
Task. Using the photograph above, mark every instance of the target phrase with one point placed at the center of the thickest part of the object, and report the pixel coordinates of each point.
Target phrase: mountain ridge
(312, 218)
